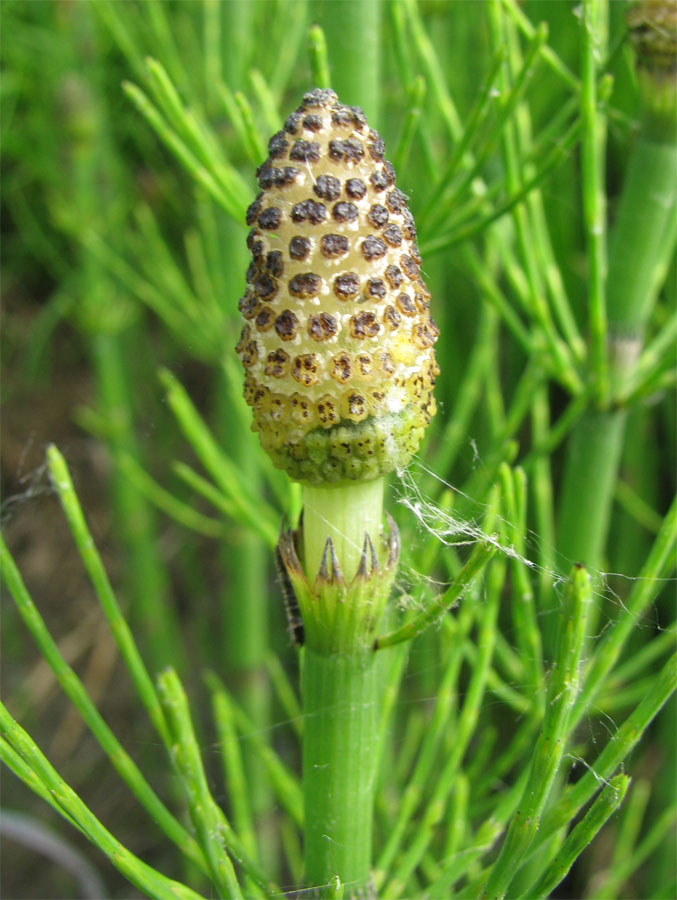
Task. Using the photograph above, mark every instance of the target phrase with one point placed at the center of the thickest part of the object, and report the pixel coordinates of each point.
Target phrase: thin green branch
(139, 873)
(319, 57)
(211, 828)
(74, 690)
(258, 515)
(63, 485)
(562, 692)
(619, 745)
(480, 556)
(467, 722)
(593, 27)
(180, 511)
(605, 805)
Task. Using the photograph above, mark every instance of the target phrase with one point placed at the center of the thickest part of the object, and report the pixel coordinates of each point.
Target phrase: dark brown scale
(347, 286)
(326, 411)
(409, 266)
(422, 302)
(409, 227)
(341, 370)
(285, 176)
(265, 287)
(350, 150)
(305, 151)
(319, 97)
(299, 247)
(265, 177)
(344, 212)
(391, 318)
(415, 253)
(249, 389)
(406, 305)
(394, 277)
(304, 369)
(249, 305)
(307, 284)
(291, 124)
(377, 215)
(358, 117)
(379, 180)
(250, 354)
(252, 271)
(256, 246)
(334, 245)
(253, 211)
(396, 200)
(375, 146)
(244, 337)
(286, 324)
(313, 122)
(425, 334)
(270, 218)
(390, 171)
(277, 363)
(322, 327)
(341, 118)
(260, 394)
(376, 288)
(393, 235)
(327, 187)
(275, 263)
(357, 405)
(364, 364)
(373, 248)
(364, 325)
(300, 406)
(309, 210)
(265, 319)
(278, 145)
(356, 188)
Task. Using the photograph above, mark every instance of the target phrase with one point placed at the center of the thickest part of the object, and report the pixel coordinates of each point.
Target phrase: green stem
(637, 252)
(353, 31)
(341, 708)
(593, 455)
(152, 610)
(344, 514)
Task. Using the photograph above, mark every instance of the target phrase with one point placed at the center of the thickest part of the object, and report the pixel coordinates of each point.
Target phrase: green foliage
(131, 134)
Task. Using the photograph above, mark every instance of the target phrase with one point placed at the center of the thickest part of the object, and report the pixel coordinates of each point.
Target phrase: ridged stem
(340, 690)
(105, 327)
(344, 514)
(638, 252)
(353, 32)
(340, 705)
(152, 610)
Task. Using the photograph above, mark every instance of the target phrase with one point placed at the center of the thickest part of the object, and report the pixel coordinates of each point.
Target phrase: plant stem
(353, 31)
(637, 253)
(341, 680)
(152, 610)
(344, 514)
(341, 709)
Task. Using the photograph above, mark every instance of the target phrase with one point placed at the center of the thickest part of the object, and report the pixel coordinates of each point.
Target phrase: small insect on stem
(291, 605)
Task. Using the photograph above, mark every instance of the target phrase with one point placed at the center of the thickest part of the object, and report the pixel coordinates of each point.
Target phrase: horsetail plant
(338, 354)
(429, 754)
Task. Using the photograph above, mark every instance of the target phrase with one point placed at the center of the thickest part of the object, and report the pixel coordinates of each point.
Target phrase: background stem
(353, 32)
(638, 252)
